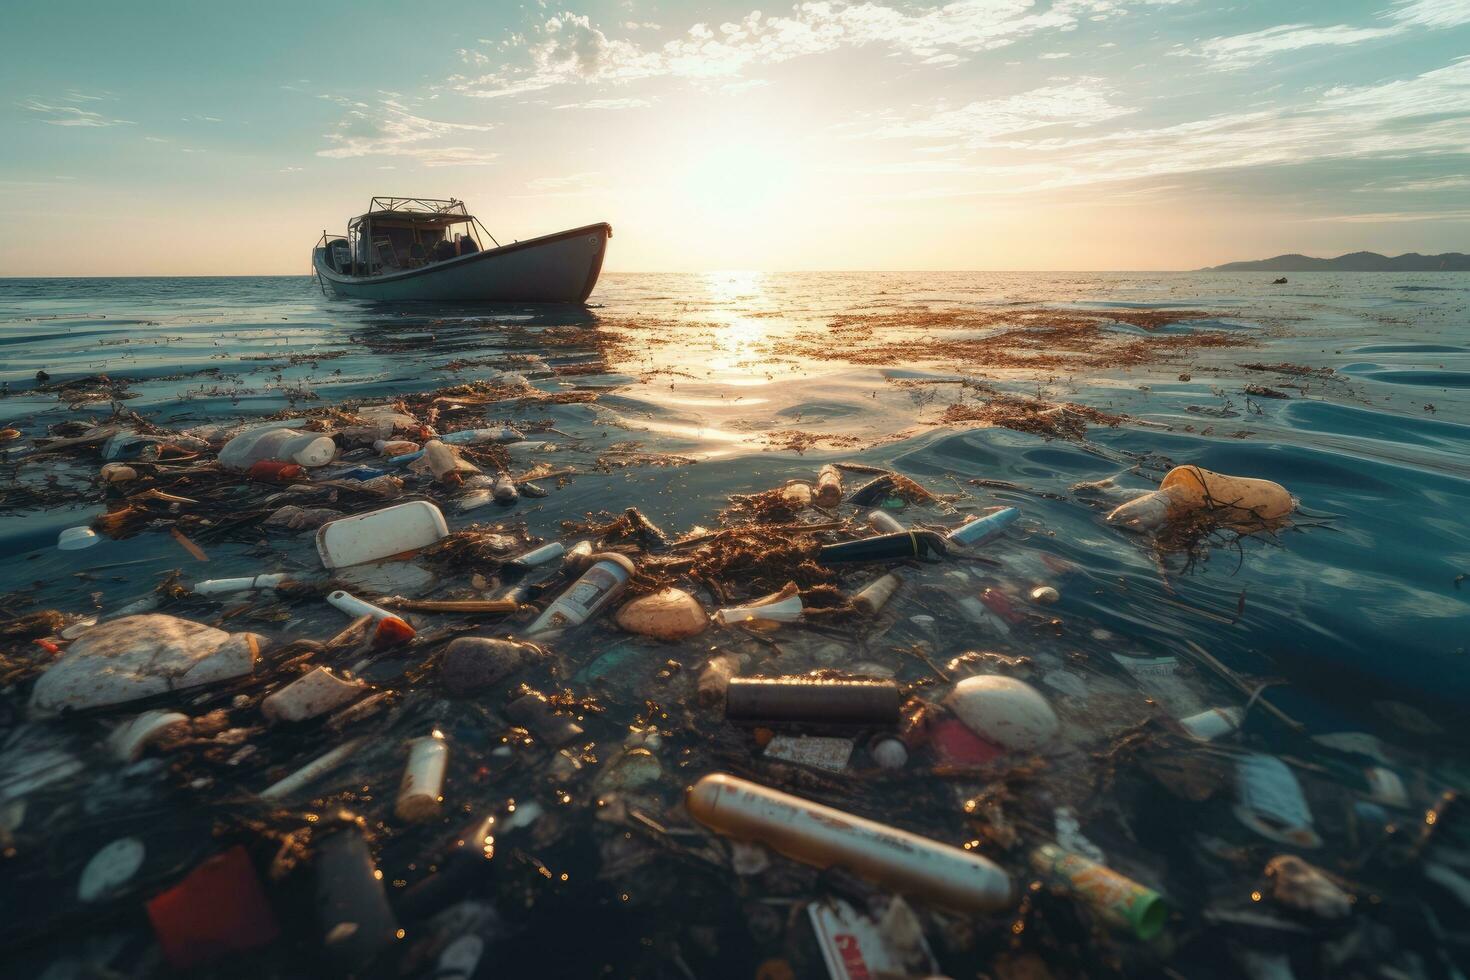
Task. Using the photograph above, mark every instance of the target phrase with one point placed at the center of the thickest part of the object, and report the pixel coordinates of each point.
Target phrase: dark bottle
(886, 547)
(811, 701)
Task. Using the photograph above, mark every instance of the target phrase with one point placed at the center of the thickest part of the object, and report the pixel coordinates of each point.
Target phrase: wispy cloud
(1246, 50)
(1424, 114)
(569, 48)
(1076, 102)
(389, 129)
(609, 104)
(1396, 217)
(1432, 13)
(70, 115)
(1429, 185)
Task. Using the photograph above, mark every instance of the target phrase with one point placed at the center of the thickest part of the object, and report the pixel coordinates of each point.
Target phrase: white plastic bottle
(280, 445)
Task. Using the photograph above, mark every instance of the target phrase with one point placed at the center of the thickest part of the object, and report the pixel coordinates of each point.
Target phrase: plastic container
(813, 701)
(885, 547)
(278, 445)
(311, 695)
(471, 437)
(1120, 901)
(421, 792)
(982, 529)
(587, 596)
(504, 490)
(825, 837)
(380, 534)
(1213, 723)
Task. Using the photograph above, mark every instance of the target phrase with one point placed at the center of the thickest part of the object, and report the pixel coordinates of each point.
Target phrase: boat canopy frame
(413, 213)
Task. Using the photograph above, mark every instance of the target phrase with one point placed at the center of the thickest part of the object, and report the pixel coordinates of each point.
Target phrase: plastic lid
(77, 538)
(318, 452)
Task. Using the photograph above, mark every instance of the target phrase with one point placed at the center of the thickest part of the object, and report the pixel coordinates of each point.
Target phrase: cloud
(570, 185)
(1421, 115)
(1429, 185)
(993, 122)
(608, 104)
(1396, 217)
(70, 115)
(1432, 13)
(1245, 50)
(391, 130)
(569, 49)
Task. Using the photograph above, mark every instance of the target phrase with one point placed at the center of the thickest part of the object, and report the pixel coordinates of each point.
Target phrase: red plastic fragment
(218, 908)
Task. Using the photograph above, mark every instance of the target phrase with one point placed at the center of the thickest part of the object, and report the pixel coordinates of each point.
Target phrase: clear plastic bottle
(277, 445)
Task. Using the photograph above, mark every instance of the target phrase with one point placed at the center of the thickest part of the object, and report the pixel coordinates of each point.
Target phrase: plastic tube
(420, 793)
(311, 772)
(311, 695)
(885, 547)
(224, 586)
(825, 837)
(798, 700)
(354, 607)
(787, 609)
(1122, 902)
(982, 528)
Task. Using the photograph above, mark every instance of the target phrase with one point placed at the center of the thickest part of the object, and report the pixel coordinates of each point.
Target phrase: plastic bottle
(829, 486)
(442, 461)
(810, 700)
(983, 528)
(825, 837)
(587, 596)
(884, 522)
(277, 445)
(539, 556)
(1122, 902)
(420, 793)
(885, 547)
(395, 447)
(1235, 500)
(467, 858)
(311, 695)
(471, 437)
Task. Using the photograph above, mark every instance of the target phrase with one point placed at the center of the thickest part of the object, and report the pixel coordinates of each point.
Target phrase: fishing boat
(415, 248)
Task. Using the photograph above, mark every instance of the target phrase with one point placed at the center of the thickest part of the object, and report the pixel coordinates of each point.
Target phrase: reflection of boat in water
(410, 249)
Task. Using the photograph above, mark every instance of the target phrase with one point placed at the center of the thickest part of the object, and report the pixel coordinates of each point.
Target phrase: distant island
(1353, 262)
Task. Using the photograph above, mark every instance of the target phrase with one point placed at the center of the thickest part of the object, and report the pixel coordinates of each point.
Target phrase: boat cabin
(401, 233)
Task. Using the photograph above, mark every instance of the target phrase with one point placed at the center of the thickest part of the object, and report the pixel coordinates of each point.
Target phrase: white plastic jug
(280, 445)
(379, 534)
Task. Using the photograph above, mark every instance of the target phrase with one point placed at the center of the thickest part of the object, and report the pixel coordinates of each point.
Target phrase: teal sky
(213, 138)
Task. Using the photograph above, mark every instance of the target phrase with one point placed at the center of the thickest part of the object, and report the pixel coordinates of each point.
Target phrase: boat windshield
(399, 233)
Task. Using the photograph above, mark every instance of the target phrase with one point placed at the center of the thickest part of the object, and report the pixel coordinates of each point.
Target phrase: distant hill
(1353, 262)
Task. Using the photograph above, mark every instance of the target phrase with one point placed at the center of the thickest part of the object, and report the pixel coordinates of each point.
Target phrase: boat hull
(558, 268)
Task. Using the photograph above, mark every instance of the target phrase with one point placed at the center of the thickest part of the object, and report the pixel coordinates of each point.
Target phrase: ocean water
(718, 384)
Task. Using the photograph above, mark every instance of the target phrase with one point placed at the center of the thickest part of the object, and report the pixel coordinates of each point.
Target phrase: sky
(206, 138)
